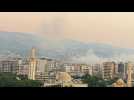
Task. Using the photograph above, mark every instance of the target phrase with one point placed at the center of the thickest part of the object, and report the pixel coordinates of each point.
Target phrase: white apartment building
(68, 68)
(86, 69)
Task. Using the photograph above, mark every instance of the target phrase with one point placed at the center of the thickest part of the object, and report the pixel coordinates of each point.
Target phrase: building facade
(9, 66)
(121, 70)
(32, 65)
(108, 70)
(68, 68)
(86, 69)
(129, 74)
(96, 70)
(47, 69)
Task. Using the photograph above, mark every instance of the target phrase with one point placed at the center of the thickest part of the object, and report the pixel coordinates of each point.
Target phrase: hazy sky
(103, 27)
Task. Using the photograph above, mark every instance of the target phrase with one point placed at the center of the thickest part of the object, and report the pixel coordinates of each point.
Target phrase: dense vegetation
(94, 81)
(12, 80)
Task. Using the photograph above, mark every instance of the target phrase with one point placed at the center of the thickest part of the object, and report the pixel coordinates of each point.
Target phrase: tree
(23, 77)
(10, 80)
(94, 81)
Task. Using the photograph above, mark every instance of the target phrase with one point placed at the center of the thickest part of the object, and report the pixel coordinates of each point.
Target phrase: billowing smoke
(124, 57)
(89, 58)
(92, 58)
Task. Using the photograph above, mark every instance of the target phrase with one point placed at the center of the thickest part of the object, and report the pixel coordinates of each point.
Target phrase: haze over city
(77, 36)
(66, 49)
(114, 28)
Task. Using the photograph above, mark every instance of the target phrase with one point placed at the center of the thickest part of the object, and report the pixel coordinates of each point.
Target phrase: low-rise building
(68, 68)
(96, 70)
(23, 70)
(47, 69)
(65, 80)
(86, 69)
(9, 65)
(119, 83)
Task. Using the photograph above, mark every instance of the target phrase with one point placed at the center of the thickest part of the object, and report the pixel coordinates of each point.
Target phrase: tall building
(52, 69)
(42, 70)
(23, 67)
(125, 71)
(32, 65)
(108, 70)
(129, 72)
(133, 73)
(121, 70)
(116, 69)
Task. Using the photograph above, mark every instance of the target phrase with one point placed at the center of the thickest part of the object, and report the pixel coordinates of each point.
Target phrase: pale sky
(116, 28)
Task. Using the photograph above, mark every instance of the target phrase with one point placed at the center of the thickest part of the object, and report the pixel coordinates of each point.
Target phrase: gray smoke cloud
(124, 57)
(89, 58)
(92, 58)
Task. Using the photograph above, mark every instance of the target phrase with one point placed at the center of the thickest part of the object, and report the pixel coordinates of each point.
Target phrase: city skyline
(53, 73)
(66, 49)
(115, 28)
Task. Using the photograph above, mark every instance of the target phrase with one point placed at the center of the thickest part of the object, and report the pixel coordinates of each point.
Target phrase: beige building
(66, 80)
(108, 70)
(68, 68)
(86, 69)
(72, 69)
(32, 65)
(119, 83)
(23, 70)
(23, 66)
(47, 69)
(42, 72)
(8, 66)
(63, 77)
(129, 74)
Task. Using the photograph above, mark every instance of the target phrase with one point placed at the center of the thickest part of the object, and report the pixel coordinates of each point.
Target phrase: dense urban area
(44, 72)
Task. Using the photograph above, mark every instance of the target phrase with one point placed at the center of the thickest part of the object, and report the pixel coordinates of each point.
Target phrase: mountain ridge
(21, 43)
